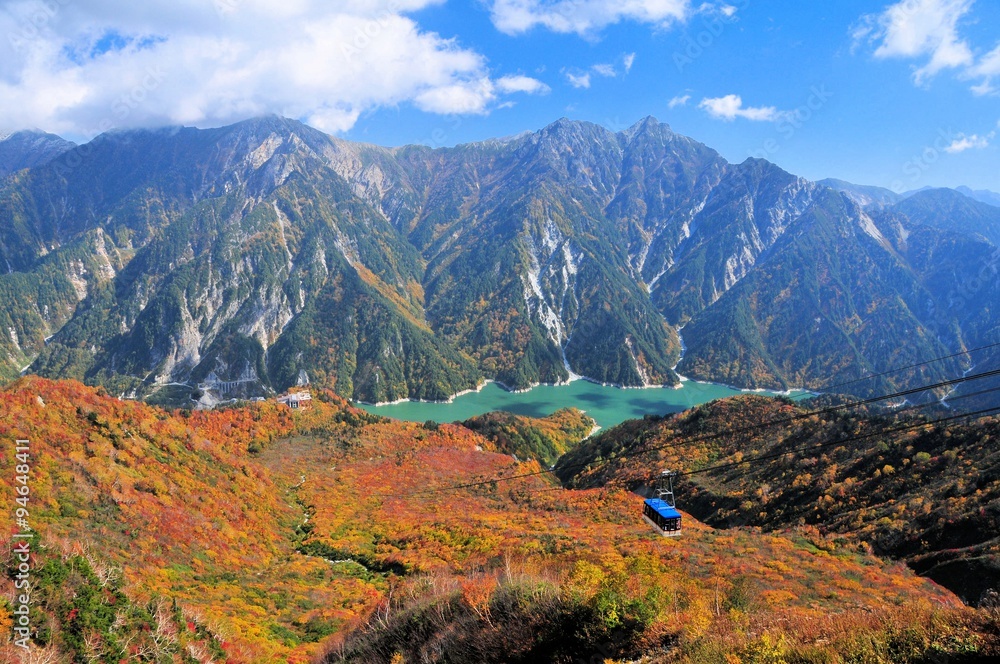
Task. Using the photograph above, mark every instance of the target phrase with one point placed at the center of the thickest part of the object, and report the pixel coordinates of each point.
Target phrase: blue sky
(861, 118)
(899, 94)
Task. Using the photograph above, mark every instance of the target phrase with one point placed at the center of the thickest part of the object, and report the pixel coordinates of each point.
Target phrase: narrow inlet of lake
(608, 405)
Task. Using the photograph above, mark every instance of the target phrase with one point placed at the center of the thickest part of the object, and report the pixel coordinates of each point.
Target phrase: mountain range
(243, 260)
(868, 194)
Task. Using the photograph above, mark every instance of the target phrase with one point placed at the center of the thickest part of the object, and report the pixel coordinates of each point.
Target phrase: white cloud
(526, 84)
(78, 68)
(679, 100)
(971, 142)
(986, 69)
(984, 88)
(578, 80)
(718, 9)
(920, 29)
(583, 17)
(724, 9)
(460, 98)
(730, 107)
(927, 27)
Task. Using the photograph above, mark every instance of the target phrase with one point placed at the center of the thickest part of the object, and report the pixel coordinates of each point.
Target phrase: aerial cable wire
(809, 448)
(831, 388)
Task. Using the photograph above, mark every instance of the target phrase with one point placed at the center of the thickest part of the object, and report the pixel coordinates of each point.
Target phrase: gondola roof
(663, 509)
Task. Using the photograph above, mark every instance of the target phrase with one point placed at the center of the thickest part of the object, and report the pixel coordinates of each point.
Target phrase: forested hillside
(188, 265)
(259, 534)
(924, 493)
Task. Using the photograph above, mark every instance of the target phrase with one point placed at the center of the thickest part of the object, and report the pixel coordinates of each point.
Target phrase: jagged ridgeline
(252, 258)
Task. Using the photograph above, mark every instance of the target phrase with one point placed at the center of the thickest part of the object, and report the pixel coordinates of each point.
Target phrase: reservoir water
(608, 405)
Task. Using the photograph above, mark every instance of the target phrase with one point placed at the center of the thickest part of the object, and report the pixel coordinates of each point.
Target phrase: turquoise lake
(608, 405)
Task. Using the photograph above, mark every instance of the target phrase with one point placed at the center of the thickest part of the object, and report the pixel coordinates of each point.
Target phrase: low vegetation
(331, 534)
(544, 439)
(929, 495)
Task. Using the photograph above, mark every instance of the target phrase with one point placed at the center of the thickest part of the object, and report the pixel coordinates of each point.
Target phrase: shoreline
(450, 399)
(792, 391)
(684, 379)
(573, 376)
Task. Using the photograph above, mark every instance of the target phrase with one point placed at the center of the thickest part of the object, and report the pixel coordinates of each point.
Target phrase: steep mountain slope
(962, 274)
(239, 261)
(277, 536)
(532, 260)
(832, 302)
(26, 149)
(38, 301)
(234, 237)
(232, 234)
(929, 495)
(960, 267)
(950, 210)
(747, 212)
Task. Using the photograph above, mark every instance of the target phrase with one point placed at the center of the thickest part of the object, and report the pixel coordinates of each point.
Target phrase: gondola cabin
(662, 516)
(661, 511)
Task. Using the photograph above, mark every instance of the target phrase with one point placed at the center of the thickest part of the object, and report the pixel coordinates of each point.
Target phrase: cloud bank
(80, 67)
(929, 31)
(583, 17)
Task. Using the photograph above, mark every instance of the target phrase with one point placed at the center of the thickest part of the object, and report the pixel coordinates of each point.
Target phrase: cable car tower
(661, 511)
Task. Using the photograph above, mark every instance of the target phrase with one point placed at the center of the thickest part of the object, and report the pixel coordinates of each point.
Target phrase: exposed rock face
(268, 249)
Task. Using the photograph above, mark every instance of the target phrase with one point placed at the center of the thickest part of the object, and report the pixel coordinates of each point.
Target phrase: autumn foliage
(336, 535)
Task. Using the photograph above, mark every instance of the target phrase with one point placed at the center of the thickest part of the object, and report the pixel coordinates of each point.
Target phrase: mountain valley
(241, 261)
(325, 534)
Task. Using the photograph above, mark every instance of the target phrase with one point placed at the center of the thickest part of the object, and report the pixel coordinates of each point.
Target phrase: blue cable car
(661, 511)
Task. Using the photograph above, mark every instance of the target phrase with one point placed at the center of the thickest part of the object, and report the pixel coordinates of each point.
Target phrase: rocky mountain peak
(417, 272)
(648, 126)
(26, 149)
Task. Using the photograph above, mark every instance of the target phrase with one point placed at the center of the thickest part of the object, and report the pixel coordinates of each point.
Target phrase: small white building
(294, 399)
